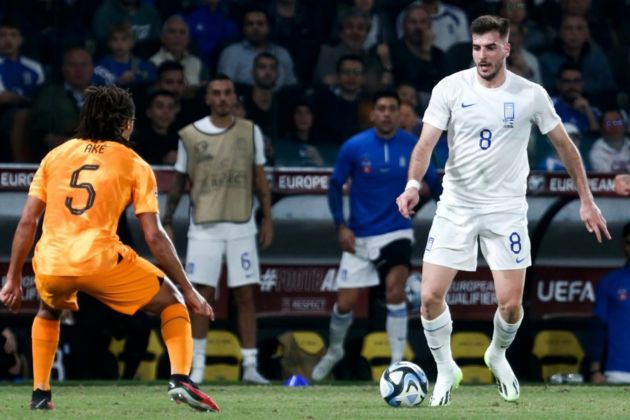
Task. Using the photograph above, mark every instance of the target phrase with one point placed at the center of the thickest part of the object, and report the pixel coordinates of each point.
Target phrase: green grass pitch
(107, 400)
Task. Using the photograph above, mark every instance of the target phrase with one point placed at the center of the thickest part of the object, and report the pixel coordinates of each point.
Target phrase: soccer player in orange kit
(85, 185)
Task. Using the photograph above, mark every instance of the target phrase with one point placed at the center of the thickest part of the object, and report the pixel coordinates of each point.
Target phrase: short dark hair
(488, 23)
(255, 9)
(160, 92)
(266, 54)
(220, 76)
(10, 23)
(105, 111)
(387, 93)
(568, 66)
(349, 57)
(168, 65)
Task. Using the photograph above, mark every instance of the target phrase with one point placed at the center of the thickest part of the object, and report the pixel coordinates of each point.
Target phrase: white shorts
(204, 259)
(502, 235)
(357, 270)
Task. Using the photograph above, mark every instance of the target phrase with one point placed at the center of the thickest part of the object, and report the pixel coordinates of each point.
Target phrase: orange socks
(45, 339)
(178, 338)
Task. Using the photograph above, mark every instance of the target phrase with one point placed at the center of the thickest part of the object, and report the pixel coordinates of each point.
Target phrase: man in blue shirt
(20, 77)
(611, 320)
(376, 240)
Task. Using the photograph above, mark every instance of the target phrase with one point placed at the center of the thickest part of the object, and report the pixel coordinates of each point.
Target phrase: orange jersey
(86, 186)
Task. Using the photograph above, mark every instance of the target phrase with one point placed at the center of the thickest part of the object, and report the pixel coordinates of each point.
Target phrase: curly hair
(104, 114)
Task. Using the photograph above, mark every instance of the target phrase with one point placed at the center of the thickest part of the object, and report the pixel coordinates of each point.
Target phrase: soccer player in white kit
(488, 113)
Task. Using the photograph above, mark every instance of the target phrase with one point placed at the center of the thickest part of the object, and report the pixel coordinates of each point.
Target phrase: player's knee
(511, 310)
(432, 302)
(395, 294)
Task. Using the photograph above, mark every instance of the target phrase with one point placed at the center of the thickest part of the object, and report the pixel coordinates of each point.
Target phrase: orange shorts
(129, 286)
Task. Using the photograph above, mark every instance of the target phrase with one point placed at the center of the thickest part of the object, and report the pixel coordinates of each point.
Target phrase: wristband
(413, 183)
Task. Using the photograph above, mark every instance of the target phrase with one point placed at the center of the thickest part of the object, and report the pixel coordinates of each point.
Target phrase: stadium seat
(468, 349)
(299, 352)
(147, 370)
(378, 354)
(558, 351)
(223, 356)
(148, 366)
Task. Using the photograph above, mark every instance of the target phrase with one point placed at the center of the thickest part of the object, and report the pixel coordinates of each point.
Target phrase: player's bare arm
(11, 293)
(420, 159)
(172, 200)
(570, 156)
(263, 193)
(164, 252)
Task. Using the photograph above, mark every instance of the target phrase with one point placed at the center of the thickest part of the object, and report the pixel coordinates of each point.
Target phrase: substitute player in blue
(488, 113)
(611, 322)
(376, 241)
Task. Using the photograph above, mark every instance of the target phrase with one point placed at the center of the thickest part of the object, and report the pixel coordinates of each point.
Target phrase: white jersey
(221, 230)
(488, 133)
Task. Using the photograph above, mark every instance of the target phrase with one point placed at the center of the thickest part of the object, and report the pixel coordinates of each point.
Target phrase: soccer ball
(404, 384)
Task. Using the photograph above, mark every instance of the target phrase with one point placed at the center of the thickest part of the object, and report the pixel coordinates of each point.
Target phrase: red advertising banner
(300, 290)
(310, 181)
(563, 291)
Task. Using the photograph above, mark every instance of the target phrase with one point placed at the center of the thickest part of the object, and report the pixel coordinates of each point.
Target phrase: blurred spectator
(570, 104)
(236, 60)
(533, 37)
(611, 317)
(175, 39)
(449, 24)
(409, 120)
(381, 30)
(353, 27)
(611, 152)
(156, 140)
(407, 93)
(144, 20)
(552, 162)
(262, 102)
(191, 103)
(259, 100)
(211, 29)
(601, 28)
(414, 57)
(339, 109)
(301, 147)
(55, 112)
(20, 77)
(619, 59)
(297, 26)
(11, 361)
(121, 67)
(574, 46)
(520, 60)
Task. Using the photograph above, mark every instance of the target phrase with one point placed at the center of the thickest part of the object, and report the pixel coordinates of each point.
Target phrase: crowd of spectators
(304, 69)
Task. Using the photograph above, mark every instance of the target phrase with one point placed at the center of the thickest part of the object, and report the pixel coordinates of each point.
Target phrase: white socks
(396, 326)
(250, 357)
(199, 359)
(438, 334)
(503, 335)
(339, 324)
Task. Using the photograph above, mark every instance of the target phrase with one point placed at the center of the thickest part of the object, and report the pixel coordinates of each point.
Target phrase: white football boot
(509, 388)
(323, 368)
(444, 385)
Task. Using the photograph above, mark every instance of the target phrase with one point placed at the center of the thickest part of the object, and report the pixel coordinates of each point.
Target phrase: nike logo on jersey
(436, 348)
(466, 105)
(520, 260)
